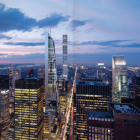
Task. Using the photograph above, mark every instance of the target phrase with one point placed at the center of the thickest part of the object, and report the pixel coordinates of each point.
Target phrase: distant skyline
(95, 29)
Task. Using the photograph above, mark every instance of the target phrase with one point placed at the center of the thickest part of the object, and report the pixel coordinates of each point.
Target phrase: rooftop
(46, 113)
(126, 108)
(5, 91)
(30, 78)
(119, 60)
(99, 114)
(91, 83)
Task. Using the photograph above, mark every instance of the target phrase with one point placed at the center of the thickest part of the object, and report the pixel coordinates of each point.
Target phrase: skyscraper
(47, 126)
(4, 82)
(65, 63)
(126, 121)
(88, 96)
(50, 75)
(15, 74)
(30, 72)
(4, 111)
(119, 78)
(99, 74)
(41, 74)
(100, 125)
(28, 109)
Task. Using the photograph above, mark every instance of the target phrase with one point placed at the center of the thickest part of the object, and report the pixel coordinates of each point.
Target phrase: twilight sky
(95, 29)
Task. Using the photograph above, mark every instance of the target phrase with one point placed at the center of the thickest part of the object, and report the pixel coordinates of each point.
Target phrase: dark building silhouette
(4, 82)
(137, 101)
(132, 90)
(137, 79)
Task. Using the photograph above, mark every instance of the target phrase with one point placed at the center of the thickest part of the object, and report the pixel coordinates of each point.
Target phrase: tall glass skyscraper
(65, 65)
(50, 75)
(119, 78)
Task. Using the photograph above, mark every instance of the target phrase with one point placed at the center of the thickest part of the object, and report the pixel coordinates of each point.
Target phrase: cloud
(14, 19)
(76, 23)
(52, 21)
(132, 45)
(25, 44)
(112, 43)
(106, 44)
(101, 43)
(5, 37)
(2, 54)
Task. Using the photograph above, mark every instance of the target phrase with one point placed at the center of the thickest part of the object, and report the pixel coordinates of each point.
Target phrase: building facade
(4, 111)
(28, 109)
(47, 126)
(119, 78)
(50, 75)
(88, 96)
(132, 90)
(65, 61)
(15, 74)
(99, 74)
(4, 82)
(100, 125)
(126, 121)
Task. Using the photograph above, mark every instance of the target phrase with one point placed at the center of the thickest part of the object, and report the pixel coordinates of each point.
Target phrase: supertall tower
(50, 75)
(65, 63)
(119, 78)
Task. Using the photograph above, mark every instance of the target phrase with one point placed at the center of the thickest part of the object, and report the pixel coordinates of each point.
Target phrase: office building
(137, 85)
(4, 112)
(41, 75)
(15, 74)
(4, 82)
(65, 61)
(127, 100)
(126, 121)
(92, 80)
(28, 109)
(137, 79)
(110, 82)
(63, 86)
(63, 101)
(100, 125)
(99, 74)
(132, 90)
(137, 101)
(31, 72)
(50, 75)
(88, 96)
(119, 78)
(47, 126)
